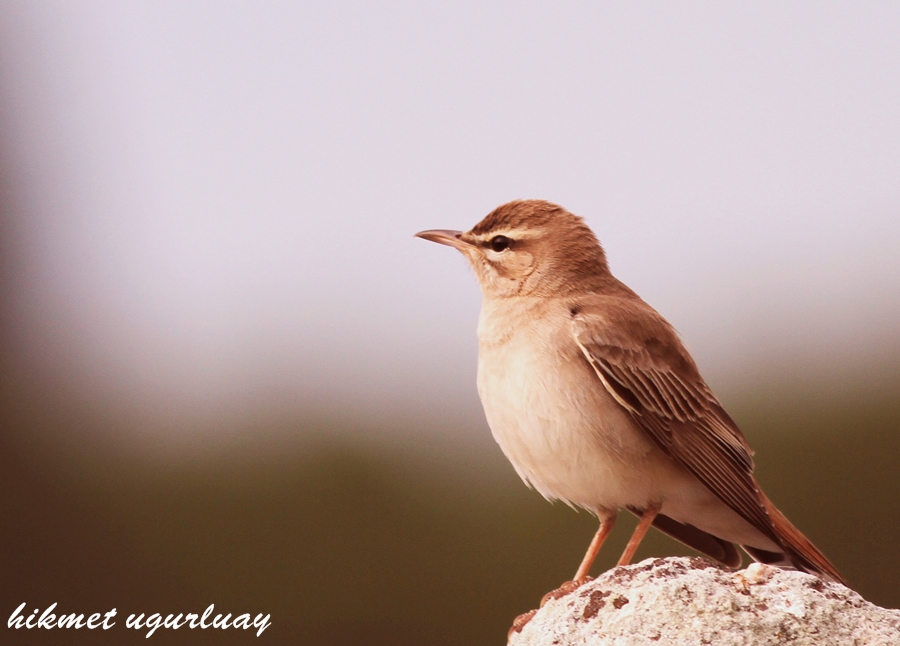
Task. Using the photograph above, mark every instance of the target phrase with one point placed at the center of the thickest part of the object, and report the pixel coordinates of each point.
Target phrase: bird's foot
(519, 623)
(566, 588)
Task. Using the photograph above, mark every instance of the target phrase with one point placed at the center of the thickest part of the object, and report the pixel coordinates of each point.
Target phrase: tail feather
(769, 558)
(714, 547)
(799, 552)
(799, 549)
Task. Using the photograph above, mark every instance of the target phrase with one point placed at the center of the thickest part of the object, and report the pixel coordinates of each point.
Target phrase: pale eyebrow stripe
(512, 234)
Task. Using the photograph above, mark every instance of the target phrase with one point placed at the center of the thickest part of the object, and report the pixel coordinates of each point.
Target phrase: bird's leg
(607, 522)
(639, 532)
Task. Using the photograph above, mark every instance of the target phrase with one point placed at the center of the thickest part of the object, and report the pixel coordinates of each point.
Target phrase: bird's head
(529, 248)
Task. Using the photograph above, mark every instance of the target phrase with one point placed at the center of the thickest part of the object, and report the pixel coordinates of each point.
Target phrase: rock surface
(681, 601)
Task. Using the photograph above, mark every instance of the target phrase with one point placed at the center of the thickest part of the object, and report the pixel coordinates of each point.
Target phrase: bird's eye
(500, 243)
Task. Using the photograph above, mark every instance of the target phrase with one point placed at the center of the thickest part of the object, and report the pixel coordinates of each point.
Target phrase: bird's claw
(564, 589)
(519, 623)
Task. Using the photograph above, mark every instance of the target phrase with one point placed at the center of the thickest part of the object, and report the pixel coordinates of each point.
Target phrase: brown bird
(595, 401)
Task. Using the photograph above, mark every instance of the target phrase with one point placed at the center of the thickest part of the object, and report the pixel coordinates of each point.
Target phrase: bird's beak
(444, 236)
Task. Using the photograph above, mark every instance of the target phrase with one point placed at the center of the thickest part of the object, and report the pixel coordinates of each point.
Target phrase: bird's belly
(563, 433)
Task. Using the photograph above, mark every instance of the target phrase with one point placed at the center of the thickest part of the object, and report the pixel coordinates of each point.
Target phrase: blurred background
(230, 375)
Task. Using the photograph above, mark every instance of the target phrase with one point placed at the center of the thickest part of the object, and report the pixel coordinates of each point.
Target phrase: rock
(681, 601)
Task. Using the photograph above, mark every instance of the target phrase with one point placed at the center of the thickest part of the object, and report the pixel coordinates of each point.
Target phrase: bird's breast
(552, 417)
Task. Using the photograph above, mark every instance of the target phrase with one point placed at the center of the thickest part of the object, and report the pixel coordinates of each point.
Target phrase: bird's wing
(642, 363)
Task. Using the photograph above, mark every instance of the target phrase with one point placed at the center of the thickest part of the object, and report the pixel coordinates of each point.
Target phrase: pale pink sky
(217, 200)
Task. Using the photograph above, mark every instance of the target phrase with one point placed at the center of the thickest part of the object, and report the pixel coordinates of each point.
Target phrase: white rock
(690, 601)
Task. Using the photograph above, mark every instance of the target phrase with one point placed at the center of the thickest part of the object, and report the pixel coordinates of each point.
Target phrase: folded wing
(641, 361)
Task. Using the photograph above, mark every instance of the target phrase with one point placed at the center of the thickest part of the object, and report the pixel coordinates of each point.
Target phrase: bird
(594, 399)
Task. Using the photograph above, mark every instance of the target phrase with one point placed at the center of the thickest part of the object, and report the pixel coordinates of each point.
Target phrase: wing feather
(665, 394)
(640, 360)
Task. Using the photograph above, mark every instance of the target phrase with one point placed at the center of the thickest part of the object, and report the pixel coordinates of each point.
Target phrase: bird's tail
(798, 550)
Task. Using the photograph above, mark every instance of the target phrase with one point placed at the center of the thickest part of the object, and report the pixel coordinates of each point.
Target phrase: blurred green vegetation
(350, 546)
